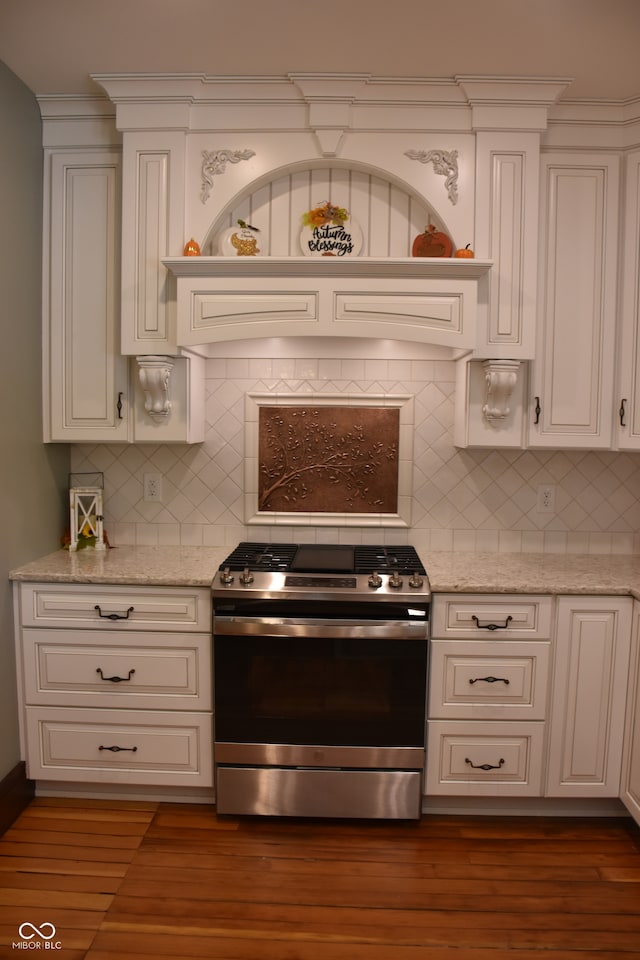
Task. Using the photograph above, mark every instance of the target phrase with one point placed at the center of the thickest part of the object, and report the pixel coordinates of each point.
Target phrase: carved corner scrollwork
(445, 162)
(214, 162)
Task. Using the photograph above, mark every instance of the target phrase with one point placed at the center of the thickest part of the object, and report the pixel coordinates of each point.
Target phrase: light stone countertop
(171, 566)
(530, 573)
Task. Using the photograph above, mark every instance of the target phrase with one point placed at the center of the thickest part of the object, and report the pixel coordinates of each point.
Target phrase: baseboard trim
(16, 793)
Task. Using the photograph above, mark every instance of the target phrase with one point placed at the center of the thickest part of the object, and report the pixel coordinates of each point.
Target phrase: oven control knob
(375, 580)
(246, 577)
(226, 576)
(416, 581)
(395, 580)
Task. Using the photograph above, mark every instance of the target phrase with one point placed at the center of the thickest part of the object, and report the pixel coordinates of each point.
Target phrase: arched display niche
(382, 295)
(389, 213)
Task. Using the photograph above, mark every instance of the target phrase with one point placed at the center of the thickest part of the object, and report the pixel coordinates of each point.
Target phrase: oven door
(312, 690)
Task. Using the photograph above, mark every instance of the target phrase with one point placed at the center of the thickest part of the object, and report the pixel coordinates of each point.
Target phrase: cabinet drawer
(483, 679)
(163, 671)
(119, 746)
(108, 607)
(487, 759)
(491, 617)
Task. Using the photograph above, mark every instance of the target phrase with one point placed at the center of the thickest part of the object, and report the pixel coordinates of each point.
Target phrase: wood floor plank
(106, 828)
(70, 900)
(70, 867)
(70, 803)
(69, 851)
(67, 917)
(99, 814)
(214, 870)
(57, 881)
(58, 838)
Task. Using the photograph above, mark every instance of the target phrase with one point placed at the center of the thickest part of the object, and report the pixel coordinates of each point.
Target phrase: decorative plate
(242, 241)
(328, 231)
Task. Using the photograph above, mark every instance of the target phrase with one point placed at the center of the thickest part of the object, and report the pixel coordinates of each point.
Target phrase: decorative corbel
(500, 377)
(155, 379)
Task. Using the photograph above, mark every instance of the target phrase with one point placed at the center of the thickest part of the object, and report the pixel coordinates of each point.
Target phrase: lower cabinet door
(630, 785)
(586, 726)
(120, 746)
(501, 759)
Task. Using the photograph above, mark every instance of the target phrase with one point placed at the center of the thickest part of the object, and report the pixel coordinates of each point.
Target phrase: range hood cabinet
(434, 301)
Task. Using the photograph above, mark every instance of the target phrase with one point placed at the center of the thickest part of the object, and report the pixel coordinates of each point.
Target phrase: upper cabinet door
(85, 388)
(572, 389)
(628, 399)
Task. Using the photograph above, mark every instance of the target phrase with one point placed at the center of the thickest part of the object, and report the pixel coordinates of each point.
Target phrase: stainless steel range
(320, 678)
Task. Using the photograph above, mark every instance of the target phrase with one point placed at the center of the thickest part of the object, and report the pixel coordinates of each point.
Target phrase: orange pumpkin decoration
(465, 253)
(191, 248)
(432, 243)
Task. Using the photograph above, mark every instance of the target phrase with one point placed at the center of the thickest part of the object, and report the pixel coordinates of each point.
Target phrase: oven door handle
(323, 629)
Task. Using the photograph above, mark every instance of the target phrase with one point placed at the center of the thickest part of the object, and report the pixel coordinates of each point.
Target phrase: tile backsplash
(471, 500)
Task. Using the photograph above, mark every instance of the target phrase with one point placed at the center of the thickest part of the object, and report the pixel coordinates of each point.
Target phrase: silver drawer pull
(490, 680)
(492, 626)
(485, 766)
(118, 749)
(113, 616)
(120, 679)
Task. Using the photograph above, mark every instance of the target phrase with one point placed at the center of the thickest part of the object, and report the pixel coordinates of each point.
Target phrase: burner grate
(261, 556)
(366, 559)
(402, 558)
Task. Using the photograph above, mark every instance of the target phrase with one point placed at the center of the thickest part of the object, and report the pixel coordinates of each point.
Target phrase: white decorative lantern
(85, 515)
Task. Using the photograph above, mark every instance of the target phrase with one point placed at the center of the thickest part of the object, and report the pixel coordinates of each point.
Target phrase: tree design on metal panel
(328, 459)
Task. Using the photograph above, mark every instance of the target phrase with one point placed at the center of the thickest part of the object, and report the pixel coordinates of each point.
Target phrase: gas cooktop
(330, 571)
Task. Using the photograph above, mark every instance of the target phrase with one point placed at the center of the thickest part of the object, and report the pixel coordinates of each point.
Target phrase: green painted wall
(33, 476)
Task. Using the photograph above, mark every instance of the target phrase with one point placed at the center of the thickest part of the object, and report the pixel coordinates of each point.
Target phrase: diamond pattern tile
(462, 499)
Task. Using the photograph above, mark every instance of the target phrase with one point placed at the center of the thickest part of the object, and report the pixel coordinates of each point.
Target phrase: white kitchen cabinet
(92, 393)
(506, 231)
(152, 228)
(488, 684)
(628, 398)
(115, 684)
(587, 718)
(86, 394)
(630, 782)
(572, 388)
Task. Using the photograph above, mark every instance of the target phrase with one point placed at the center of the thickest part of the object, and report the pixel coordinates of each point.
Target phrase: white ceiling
(55, 45)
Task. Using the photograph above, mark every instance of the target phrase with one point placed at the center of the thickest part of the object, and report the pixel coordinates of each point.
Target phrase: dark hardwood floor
(152, 881)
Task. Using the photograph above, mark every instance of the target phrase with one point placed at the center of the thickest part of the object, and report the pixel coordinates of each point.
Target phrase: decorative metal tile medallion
(331, 457)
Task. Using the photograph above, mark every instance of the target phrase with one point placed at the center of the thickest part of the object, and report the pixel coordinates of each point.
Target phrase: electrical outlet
(152, 487)
(546, 498)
